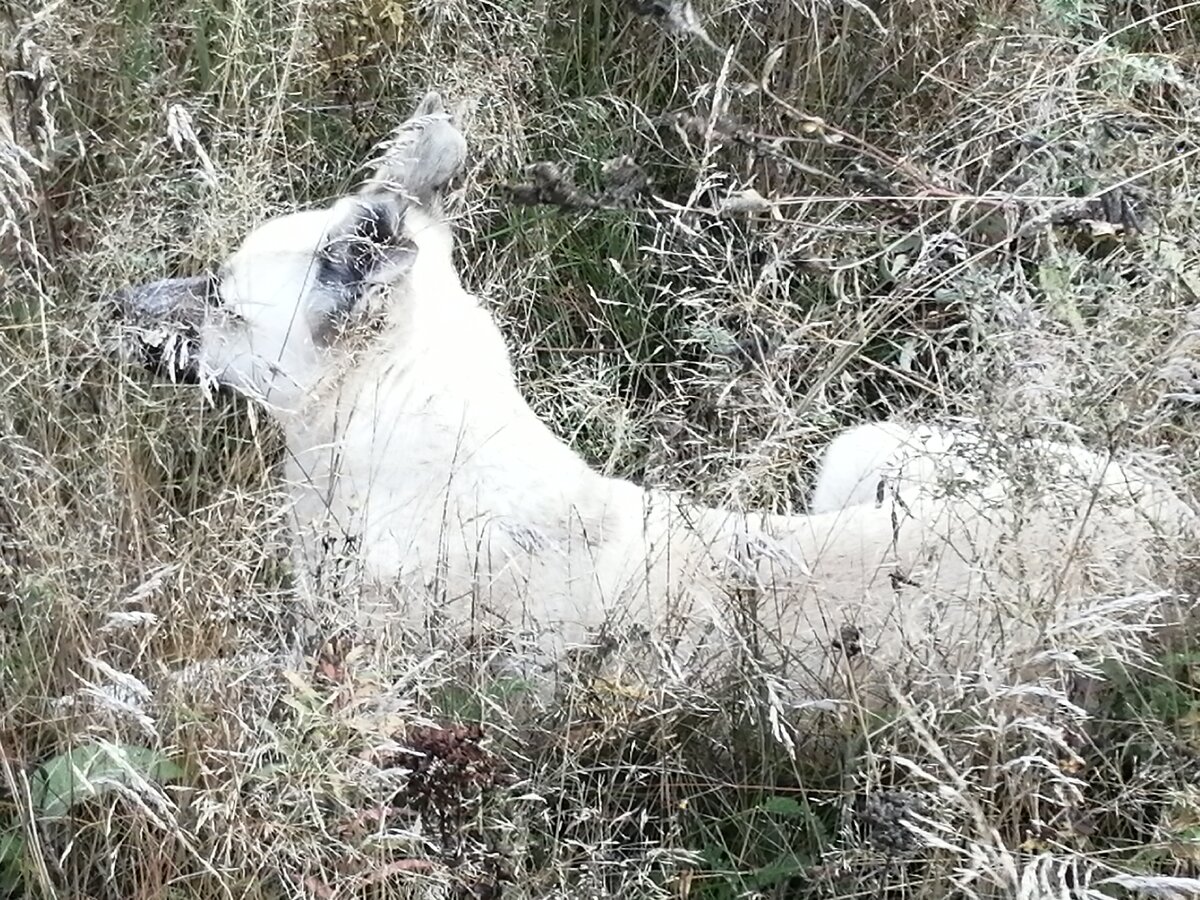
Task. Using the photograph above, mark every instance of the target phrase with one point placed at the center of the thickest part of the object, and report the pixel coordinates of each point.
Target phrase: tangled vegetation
(715, 233)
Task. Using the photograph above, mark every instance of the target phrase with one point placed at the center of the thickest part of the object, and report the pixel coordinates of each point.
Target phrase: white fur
(866, 463)
(415, 440)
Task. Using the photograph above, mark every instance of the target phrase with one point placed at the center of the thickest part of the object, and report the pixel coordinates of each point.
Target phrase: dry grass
(994, 218)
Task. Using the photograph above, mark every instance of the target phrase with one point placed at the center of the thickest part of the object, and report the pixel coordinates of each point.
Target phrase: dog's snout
(115, 305)
(169, 299)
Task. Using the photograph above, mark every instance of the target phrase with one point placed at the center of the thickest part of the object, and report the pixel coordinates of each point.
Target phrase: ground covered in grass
(714, 233)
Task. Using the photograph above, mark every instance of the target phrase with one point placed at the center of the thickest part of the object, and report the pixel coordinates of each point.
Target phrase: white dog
(414, 459)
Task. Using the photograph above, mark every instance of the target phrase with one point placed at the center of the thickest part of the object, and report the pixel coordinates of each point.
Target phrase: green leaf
(1172, 255)
(1055, 279)
(784, 806)
(89, 771)
(467, 705)
(787, 866)
(12, 851)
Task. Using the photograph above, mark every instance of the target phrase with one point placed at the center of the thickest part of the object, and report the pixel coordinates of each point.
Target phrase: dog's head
(265, 321)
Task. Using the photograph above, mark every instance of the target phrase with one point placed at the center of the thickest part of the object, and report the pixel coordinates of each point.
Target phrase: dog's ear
(366, 247)
(421, 157)
(431, 103)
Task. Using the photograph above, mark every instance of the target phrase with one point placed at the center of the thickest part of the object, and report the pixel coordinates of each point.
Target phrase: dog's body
(413, 455)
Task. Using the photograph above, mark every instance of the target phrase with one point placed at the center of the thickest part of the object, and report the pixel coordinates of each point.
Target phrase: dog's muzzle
(160, 324)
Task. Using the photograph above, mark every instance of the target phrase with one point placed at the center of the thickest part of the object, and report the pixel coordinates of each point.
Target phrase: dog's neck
(434, 263)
